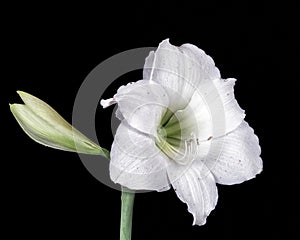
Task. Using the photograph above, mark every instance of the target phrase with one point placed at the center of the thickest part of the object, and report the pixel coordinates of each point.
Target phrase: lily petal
(45, 126)
(197, 188)
(195, 118)
(230, 111)
(212, 111)
(137, 101)
(218, 94)
(181, 69)
(235, 157)
(136, 162)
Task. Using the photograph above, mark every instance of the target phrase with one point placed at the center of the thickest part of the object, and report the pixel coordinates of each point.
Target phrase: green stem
(127, 199)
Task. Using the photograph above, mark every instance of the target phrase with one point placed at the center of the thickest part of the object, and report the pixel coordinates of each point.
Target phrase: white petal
(136, 162)
(181, 69)
(197, 188)
(108, 102)
(142, 104)
(119, 114)
(148, 66)
(212, 111)
(231, 112)
(177, 100)
(194, 120)
(235, 157)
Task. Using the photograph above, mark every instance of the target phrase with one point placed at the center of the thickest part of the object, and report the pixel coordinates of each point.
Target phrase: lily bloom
(182, 127)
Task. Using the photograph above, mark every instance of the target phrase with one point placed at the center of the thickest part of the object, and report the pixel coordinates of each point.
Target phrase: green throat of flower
(169, 135)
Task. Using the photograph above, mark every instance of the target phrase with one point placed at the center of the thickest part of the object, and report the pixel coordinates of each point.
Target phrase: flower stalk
(127, 200)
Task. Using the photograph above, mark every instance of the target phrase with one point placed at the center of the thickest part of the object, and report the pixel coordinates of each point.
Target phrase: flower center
(169, 139)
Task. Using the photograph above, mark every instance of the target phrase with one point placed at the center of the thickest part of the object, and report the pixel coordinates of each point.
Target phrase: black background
(48, 50)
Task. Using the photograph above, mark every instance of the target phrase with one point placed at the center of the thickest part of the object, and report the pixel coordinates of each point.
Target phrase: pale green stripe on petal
(45, 126)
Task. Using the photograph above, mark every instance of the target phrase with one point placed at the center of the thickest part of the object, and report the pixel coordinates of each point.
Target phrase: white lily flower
(182, 126)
